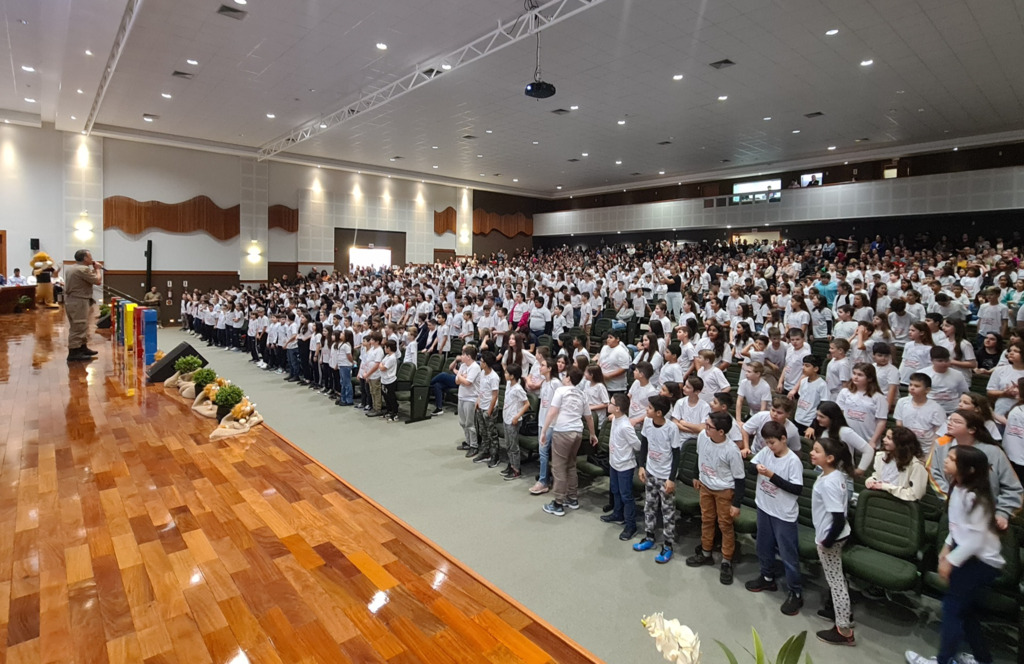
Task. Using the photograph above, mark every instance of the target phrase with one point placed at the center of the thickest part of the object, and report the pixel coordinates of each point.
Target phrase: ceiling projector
(540, 90)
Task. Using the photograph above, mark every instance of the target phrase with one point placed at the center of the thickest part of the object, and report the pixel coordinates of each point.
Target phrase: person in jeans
(345, 362)
(623, 444)
(569, 409)
(388, 380)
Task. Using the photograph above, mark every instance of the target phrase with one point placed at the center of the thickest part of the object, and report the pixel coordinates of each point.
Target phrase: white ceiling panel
(943, 69)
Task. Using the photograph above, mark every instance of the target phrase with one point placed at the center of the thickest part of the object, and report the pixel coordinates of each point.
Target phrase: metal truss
(506, 34)
(127, 20)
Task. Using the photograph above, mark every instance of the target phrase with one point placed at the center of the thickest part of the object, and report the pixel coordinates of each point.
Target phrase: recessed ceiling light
(73, 117)
(146, 118)
(241, 2)
(558, 186)
(23, 22)
(677, 77)
(434, 166)
(391, 159)
(80, 91)
(28, 69)
(956, 149)
(515, 179)
(661, 172)
(574, 107)
(271, 116)
(482, 175)
(832, 32)
(620, 232)
(165, 95)
(618, 162)
(831, 147)
(866, 63)
(622, 122)
(323, 125)
(433, 147)
(584, 154)
(382, 46)
(767, 118)
(445, 66)
(88, 52)
(722, 97)
(192, 62)
(30, 100)
(899, 92)
(536, 142)
(796, 131)
(479, 156)
(488, 131)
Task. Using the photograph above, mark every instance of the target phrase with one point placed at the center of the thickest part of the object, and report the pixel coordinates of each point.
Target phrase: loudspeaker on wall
(164, 368)
(33, 244)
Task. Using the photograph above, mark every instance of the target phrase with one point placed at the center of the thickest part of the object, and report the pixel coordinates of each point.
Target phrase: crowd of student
(891, 315)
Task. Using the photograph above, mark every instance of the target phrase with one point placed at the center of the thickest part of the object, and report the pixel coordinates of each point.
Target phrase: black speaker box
(33, 244)
(164, 369)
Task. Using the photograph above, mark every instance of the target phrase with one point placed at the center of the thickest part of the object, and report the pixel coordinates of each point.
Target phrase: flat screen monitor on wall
(806, 178)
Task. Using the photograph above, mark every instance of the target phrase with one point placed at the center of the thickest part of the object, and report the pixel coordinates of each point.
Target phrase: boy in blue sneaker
(659, 460)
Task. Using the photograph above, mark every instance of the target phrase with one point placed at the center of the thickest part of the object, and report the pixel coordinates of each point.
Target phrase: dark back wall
(489, 201)
(485, 245)
(1002, 223)
(132, 283)
(347, 237)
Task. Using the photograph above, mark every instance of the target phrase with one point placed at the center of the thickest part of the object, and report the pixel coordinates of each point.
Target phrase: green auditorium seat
(687, 499)
(746, 522)
(889, 533)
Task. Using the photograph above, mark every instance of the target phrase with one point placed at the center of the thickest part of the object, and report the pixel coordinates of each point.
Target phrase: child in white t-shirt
(780, 482)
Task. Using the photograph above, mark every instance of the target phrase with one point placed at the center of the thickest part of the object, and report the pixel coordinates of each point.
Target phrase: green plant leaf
(230, 395)
(759, 655)
(792, 649)
(809, 660)
(728, 653)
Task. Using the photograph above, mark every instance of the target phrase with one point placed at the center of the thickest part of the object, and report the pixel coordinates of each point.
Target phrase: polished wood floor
(127, 536)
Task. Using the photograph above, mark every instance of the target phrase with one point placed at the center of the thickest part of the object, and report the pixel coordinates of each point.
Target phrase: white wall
(972, 191)
(31, 192)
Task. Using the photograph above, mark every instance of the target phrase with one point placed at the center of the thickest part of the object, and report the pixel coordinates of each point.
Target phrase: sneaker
(698, 559)
(505, 471)
(833, 637)
(437, 411)
(554, 507)
(483, 457)
(373, 413)
(572, 503)
(646, 544)
(793, 604)
(627, 534)
(472, 452)
(512, 475)
(966, 658)
(539, 489)
(463, 447)
(828, 613)
(613, 518)
(914, 658)
(608, 508)
(725, 576)
(760, 583)
(495, 460)
(664, 556)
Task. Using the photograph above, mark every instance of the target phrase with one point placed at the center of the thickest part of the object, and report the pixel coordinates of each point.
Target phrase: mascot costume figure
(44, 271)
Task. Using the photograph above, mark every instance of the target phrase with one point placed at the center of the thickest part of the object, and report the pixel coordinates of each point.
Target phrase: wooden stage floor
(127, 536)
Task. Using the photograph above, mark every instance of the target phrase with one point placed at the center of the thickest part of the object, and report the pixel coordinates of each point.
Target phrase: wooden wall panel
(277, 270)
(283, 217)
(509, 225)
(198, 214)
(444, 221)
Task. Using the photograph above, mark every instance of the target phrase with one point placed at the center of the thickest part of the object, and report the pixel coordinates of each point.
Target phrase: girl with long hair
(898, 468)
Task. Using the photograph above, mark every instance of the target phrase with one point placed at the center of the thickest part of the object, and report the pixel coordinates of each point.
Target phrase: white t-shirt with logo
(772, 499)
(470, 372)
(755, 396)
(610, 360)
(660, 443)
(572, 407)
(1013, 436)
(927, 421)
(946, 388)
(829, 496)
(720, 464)
(753, 427)
(863, 412)
(809, 397)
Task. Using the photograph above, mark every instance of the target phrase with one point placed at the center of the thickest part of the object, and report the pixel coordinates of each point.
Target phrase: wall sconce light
(254, 252)
(83, 227)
